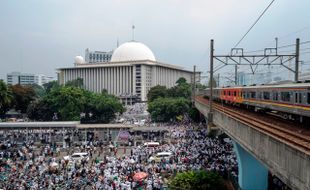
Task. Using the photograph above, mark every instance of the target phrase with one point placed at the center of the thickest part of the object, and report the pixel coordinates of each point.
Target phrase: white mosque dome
(79, 60)
(132, 51)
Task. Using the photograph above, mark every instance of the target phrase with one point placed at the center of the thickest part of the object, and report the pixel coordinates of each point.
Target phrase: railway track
(277, 131)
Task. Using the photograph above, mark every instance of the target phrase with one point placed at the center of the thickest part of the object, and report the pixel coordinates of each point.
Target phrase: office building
(97, 56)
(27, 78)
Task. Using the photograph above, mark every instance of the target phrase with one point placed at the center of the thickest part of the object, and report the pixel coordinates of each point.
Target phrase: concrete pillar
(253, 175)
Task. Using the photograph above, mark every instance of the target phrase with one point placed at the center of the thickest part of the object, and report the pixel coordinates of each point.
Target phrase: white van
(79, 156)
(151, 144)
(160, 155)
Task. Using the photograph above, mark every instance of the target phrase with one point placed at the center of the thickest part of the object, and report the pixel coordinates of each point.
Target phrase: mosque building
(130, 73)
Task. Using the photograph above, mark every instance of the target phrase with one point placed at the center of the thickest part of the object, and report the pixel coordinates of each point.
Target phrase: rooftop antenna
(133, 32)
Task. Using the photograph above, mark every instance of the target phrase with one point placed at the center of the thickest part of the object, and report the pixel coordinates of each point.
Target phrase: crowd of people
(137, 108)
(26, 167)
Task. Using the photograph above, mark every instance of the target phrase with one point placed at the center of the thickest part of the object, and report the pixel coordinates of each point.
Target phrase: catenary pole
(297, 59)
(210, 115)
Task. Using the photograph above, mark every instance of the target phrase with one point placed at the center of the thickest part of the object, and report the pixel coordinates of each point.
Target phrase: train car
(291, 101)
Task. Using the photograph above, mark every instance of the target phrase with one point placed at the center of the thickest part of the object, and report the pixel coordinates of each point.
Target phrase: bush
(197, 180)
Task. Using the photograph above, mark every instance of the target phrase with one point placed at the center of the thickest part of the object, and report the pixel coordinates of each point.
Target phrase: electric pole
(210, 114)
(236, 75)
(297, 60)
(194, 85)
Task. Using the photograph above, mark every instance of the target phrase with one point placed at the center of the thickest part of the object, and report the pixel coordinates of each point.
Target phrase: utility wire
(254, 23)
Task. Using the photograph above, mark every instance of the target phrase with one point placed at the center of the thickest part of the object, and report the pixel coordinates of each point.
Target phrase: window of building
(275, 96)
(259, 95)
(308, 99)
(224, 93)
(228, 93)
(235, 93)
(253, 94)
(286, 96)
(266, 95)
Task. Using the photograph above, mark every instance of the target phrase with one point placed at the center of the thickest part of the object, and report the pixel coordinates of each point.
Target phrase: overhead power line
(254, 23)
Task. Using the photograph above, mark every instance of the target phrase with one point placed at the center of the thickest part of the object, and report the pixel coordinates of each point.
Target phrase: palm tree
(5, 97)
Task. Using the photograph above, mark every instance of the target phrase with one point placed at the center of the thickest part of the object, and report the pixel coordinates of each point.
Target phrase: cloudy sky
(39, 36)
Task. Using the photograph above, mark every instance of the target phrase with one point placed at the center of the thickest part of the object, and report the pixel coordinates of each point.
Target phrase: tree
(22, 97)
(5, 97)
(39, 90)
(50, 85)
(68, 102)
(197, 180)
(102, 108)
(181, 81)
(156, 92)
(167, 109)
(76, 83)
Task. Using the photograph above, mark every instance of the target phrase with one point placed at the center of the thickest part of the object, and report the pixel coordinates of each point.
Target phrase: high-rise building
(130, 73)
(27, 78)
(97, 56)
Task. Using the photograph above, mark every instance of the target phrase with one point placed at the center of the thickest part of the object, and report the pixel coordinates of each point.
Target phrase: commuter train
(290, 101)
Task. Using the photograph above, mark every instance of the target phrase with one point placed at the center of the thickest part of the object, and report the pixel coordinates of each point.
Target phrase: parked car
(79, 156)
(159, 156)
(151, 144)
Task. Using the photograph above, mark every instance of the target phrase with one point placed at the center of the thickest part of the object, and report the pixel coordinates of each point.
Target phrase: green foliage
(182, 89)
(68, 102)
(194, 114)
(22, 97)
(76, 83)
(169, 104)
(167, 109)
(199, 180)
(5, 97)
(102, 108)
(39, 90)
(156, 92)
(50, 85)
(181, 81)
(201, 86)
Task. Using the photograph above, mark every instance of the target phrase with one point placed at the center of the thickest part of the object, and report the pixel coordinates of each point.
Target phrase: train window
(275, 96)
(253, 94)
(308, 99)
(286, 96)
(297, 97)
(266, 95)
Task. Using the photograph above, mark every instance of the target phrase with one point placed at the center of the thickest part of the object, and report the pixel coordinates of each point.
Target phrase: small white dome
(79, 60)
(132, 51)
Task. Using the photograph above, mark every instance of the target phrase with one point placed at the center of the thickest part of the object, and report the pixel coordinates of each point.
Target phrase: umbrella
(139, 176)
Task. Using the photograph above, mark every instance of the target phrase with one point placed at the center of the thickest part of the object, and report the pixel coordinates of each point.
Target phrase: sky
(40, 36)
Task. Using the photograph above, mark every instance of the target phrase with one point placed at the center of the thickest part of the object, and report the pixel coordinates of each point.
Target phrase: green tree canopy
(39, 90)
(50, 85)
(22, 97)
(69, 102)
(76, 83)
(156, 92)
(5, 97)
(181, 81)
(166, 109)
(197, 180)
